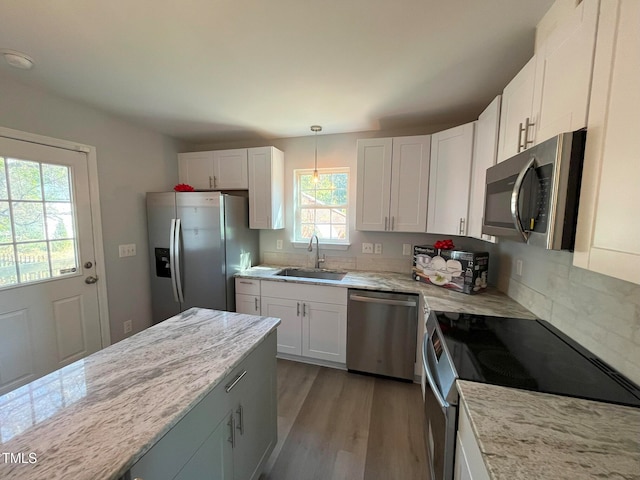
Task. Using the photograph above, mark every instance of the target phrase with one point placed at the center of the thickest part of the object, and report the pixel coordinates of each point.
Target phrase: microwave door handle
(429, 376)
(515, 199)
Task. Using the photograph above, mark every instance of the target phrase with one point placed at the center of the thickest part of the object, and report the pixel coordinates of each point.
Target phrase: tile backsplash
(601, 313)
(371, 264)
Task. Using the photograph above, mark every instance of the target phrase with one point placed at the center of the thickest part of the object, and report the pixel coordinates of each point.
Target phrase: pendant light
(315, 129)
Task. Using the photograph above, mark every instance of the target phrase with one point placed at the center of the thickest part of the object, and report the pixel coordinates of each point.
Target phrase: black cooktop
(532, 355)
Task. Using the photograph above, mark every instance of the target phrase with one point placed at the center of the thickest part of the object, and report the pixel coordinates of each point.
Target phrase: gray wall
(600, 312)
(131, 161)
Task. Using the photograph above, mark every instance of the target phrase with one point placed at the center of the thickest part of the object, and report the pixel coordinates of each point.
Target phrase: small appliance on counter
(462, 271)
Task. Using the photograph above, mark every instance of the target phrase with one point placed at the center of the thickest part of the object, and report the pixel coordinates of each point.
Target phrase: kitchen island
(523, 435)
(97, 417)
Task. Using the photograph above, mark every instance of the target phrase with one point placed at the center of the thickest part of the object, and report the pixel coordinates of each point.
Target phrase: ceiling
(212, 70)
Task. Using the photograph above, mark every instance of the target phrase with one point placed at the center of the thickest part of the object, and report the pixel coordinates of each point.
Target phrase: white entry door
(49, 313)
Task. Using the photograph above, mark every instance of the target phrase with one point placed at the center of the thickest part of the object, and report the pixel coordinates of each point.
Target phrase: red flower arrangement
(183, 187)
(444, 244)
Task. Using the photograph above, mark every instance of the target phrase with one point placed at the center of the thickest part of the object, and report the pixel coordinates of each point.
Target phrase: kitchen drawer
(248, 286)
(298, 291)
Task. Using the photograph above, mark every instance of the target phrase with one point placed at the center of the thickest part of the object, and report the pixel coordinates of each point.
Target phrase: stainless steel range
(518, 353)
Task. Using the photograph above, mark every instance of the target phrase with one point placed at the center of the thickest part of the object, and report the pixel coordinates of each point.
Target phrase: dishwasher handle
(384, 301)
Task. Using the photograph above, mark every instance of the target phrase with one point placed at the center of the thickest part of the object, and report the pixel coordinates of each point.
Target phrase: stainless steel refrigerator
(197, 242)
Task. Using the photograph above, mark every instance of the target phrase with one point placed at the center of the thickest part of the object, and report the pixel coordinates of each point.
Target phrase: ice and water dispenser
(163, 268)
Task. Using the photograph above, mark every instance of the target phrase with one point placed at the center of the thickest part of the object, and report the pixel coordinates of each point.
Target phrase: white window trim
(327, 244)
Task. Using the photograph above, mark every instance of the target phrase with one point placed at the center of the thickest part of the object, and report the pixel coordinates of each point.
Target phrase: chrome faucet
(310, 249)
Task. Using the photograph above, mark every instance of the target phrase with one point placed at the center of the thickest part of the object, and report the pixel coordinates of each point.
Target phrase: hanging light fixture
(315, 129)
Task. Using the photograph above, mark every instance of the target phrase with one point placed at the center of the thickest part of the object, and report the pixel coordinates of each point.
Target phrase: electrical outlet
(377, 248)
(279, 244)
(519, 267)
(128, 250)
(128, 326)
(406, 249)
(367, 248)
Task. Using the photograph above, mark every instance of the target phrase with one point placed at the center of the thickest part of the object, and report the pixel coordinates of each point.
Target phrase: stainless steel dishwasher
(382, 333)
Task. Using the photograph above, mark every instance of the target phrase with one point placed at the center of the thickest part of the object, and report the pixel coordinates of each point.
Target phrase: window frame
(297, 239)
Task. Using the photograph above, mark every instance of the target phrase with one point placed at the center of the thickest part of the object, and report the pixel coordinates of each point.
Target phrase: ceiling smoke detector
(18, 59)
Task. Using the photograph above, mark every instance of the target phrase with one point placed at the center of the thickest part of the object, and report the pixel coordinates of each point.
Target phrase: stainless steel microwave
(534, 195)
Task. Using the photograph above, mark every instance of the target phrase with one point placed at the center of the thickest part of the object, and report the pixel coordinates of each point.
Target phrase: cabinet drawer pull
(240, 425)
(244, 282)
(230, 385)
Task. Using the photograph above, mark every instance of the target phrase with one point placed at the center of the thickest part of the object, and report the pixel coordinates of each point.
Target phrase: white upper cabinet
(393, 181)
(484, 156)
(215, 170)
(608, 235)
(196, 169)
(516, 113)
(230, 169)
(550, 95)
(449, 180)
(266, 188)
(564, 64)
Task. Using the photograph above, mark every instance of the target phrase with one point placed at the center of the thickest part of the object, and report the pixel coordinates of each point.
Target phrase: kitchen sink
(312, 273)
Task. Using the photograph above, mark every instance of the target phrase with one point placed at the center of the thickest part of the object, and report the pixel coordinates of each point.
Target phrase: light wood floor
(335, 425)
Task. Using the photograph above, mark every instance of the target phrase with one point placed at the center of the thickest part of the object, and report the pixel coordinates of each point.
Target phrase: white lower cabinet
(290, 328)
(248, 296)
(314, 319)
(468, 464)
(229, 434)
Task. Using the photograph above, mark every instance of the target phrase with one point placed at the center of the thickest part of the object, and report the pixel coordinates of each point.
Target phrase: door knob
(90, 279)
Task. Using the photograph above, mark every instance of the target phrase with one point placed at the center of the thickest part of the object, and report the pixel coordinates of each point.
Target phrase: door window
(37, 222)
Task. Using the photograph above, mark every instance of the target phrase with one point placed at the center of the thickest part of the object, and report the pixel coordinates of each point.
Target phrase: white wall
(131, 161)
(339, 150)
(600, 312)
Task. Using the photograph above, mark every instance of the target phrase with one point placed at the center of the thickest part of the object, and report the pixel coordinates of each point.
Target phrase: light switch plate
(128, 250)
(367, 248)
(406, 249)
(279, 244)
(377, 248)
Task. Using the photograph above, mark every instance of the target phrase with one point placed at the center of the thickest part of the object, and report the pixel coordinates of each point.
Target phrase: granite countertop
(525, 435)
(96, 417)
(489, 302)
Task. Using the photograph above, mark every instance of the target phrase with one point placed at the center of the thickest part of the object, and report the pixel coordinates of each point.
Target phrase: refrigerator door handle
(172, 259)
(177, 262)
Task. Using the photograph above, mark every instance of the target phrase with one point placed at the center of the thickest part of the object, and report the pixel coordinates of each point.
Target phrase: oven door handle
(429, 376)
(515, 199)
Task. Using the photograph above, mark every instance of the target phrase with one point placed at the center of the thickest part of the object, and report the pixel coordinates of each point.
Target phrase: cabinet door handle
(298, 310)
(256, 301)
(527, 126)
(520, 132)
(215, 182)
(235, 381)
(210, 182)
(240, 425)
(386, 220)
(304, 309)
(232, 428)
(461, 229)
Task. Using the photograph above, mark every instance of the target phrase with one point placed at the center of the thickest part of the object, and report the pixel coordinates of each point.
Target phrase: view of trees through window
(37, 227)
(322, 207)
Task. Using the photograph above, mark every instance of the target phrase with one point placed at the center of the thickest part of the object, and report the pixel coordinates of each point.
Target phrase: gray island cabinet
(193, 397)
(229, 434)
